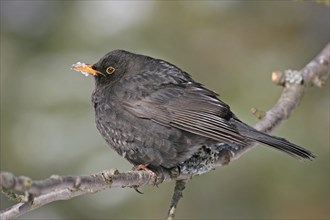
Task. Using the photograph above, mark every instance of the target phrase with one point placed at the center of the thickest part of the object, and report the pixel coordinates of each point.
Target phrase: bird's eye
(110, 70)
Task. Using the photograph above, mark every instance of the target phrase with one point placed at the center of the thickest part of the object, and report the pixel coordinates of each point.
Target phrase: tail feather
(273, 141)
(286, 146)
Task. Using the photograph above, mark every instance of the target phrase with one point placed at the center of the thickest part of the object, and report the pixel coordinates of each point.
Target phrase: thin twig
(180, 185)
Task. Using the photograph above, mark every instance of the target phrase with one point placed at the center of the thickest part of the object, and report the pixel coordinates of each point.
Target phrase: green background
(47, 120)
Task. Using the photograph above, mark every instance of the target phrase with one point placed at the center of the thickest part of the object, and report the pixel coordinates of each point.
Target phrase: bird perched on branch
(155, 115)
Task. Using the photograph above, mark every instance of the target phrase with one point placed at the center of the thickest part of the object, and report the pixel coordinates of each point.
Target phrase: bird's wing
(191, 108)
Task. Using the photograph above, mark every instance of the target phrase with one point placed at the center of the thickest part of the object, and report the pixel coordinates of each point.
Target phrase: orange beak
(85, 69)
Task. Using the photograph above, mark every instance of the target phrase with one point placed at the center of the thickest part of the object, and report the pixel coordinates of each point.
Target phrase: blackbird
(154, 114)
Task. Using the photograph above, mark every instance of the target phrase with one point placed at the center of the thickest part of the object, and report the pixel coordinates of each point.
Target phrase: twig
(177, 195)
(42, 192)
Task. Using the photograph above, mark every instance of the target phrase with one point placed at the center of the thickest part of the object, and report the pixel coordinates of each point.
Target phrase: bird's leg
(141, 167)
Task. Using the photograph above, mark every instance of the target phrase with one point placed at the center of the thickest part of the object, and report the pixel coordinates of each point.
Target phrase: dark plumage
(155, 114)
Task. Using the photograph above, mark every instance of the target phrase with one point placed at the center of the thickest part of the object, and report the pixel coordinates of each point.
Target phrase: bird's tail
(273, 141)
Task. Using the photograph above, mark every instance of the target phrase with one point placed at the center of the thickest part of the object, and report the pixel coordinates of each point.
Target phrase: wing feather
(192, 108)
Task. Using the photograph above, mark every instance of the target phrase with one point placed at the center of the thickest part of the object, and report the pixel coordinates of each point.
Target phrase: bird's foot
(174, 172)
(156, 174)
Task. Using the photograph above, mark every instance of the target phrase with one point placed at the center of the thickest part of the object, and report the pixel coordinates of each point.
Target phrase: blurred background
(47, 120)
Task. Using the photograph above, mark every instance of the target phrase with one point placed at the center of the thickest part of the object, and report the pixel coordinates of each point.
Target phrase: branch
(33, 194)
(315, 73)
(57, 187)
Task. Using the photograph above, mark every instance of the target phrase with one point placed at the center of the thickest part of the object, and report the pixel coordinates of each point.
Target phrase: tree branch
(315, 73)
(56, 187)
(33, 194)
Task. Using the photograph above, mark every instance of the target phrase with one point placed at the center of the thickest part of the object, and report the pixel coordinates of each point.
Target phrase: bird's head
(112, 66)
